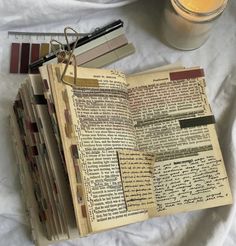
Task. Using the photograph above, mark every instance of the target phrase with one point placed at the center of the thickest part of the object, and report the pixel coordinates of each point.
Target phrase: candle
(187, 23)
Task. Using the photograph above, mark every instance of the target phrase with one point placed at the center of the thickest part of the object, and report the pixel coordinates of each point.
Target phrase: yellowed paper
(189, 171)
(55, 95)
(57, 174)
(102, 124)
(137, 179)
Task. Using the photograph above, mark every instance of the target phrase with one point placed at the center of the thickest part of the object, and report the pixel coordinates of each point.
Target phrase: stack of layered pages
(103, 150)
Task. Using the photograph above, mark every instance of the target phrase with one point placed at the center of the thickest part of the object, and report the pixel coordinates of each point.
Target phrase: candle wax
(202, 6)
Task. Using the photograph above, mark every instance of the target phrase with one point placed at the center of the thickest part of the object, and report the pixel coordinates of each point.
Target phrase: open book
(106, 149)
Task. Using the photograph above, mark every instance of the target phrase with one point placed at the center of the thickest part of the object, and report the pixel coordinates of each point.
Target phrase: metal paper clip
(66, 56)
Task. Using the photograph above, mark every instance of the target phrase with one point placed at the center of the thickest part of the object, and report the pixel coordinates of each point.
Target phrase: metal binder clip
(66, 56)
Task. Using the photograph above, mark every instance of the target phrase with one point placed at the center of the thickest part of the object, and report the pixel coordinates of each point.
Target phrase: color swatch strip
(97, 53)
(22, 54)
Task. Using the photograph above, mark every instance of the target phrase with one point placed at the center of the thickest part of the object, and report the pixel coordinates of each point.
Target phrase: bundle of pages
(98, 149)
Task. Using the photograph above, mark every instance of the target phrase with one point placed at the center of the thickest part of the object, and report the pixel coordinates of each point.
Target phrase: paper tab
(81, 82)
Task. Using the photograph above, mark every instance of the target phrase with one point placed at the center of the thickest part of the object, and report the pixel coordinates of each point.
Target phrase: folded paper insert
(136, 169)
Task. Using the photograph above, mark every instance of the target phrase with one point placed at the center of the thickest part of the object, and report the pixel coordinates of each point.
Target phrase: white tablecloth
(211, 227)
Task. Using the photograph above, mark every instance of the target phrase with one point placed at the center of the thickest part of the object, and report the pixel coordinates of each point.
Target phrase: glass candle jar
(186, 24)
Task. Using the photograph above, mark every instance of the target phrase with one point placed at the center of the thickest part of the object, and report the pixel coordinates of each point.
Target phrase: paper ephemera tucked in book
(136, 169)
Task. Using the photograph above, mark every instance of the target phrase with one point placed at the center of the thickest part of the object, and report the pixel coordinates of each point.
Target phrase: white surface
(211, 227)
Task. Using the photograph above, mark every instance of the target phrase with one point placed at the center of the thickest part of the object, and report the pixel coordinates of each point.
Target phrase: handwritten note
(137, 177)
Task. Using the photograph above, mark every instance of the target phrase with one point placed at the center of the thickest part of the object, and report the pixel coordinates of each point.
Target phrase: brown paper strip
(68, 130)
(80, 195)
(190, 74)
(34, 52)
(197, 121)
(74, 150)
(45, 85)
(35, 48)
(84, 213)
(15, 55)
(44, 49)
(25, 49)
(80, 82)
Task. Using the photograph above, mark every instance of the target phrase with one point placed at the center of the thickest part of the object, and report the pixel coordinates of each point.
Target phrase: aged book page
(38, 233)
(30, 140)
(98, 121)
(173, 120)
(48, 178)
(57, 176)
(53, 92)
